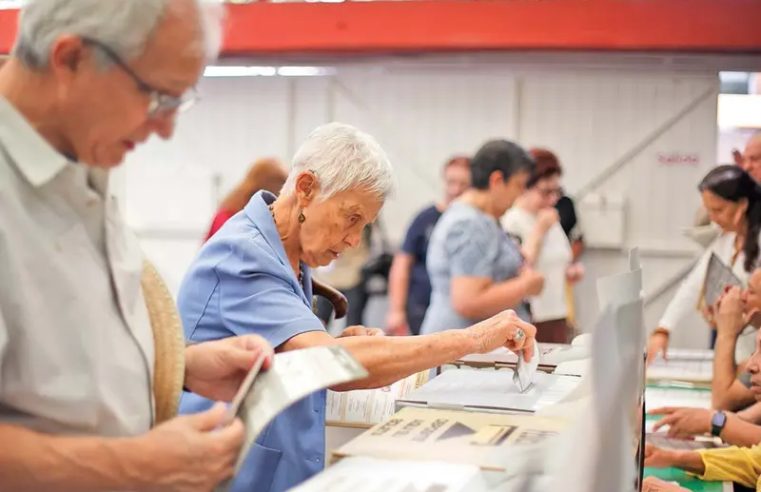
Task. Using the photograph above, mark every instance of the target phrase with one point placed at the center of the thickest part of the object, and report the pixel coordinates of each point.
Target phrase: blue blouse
(242, 283)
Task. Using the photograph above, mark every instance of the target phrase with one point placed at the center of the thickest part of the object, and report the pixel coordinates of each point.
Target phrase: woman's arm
(480, 297)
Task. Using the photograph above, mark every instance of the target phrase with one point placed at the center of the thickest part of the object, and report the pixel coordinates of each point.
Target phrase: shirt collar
(32, 155)
(257, 210)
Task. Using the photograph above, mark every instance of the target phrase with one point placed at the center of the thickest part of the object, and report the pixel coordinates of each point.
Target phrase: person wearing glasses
(85, 389)
(535, 222)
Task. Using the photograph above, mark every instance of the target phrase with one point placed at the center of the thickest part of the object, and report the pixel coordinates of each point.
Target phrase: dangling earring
(302, 219)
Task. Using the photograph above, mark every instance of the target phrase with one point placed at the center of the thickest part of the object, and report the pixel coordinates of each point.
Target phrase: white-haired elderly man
(88, 81)
(254, 276)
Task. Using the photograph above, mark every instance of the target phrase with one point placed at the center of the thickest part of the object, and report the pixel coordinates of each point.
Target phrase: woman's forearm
(389, 359)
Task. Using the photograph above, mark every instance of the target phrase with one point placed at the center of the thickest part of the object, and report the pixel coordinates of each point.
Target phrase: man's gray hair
(123, 25)
(343, 158)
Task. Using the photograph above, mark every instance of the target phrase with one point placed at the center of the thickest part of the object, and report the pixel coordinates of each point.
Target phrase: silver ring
(519, 335)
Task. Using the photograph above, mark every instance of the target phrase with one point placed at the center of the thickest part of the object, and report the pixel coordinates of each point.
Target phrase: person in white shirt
(534, 221)
(88, 81)
(733, 201)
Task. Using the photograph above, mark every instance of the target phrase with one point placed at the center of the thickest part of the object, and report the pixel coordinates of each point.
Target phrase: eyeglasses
(161, 104)
(547, 192)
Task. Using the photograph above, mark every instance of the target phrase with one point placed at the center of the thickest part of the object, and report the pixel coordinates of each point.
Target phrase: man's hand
(503, 330)
(684, 422)
(216, 369)
(361, 331)
(729, 315)
(658, 343)
(190, 453)
(396, 322)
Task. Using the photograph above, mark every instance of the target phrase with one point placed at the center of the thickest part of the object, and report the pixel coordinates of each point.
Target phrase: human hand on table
(683, 422)
(361, 331)
(652, 484)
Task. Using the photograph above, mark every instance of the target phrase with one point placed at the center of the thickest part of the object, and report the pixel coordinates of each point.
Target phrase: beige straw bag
(169, 342)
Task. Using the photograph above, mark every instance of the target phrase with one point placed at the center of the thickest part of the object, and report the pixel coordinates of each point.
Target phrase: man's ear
(66, 55)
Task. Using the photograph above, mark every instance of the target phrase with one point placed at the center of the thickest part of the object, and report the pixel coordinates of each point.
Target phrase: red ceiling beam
(455, 25)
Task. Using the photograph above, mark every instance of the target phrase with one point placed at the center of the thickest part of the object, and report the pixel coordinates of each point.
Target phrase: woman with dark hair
(476, 269)
(732, 199)
(536, 223)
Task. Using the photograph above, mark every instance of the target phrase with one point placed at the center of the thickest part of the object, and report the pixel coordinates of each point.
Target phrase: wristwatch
(718, 421)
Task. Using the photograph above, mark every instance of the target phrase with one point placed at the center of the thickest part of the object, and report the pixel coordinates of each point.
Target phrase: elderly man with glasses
(88, 81)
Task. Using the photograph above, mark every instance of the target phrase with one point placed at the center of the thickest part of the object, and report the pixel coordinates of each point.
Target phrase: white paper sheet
(362, 474)
(486, 389)
(292, 376)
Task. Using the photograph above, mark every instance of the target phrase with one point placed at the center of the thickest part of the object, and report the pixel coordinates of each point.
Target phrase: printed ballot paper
(524, 374)
(292, 376)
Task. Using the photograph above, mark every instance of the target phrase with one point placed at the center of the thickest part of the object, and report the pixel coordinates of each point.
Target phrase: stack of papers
(670, 396)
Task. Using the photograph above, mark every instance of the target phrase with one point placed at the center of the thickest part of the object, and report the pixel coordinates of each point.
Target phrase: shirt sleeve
(414, 233)
(741, 465)
(471, 249)
(257, 296)
(687, 296)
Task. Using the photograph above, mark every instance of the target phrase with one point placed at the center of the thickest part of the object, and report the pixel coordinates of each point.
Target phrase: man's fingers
(208, 420)
(662, 410)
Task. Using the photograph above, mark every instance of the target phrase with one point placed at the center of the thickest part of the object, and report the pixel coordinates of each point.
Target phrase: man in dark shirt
(409, 287)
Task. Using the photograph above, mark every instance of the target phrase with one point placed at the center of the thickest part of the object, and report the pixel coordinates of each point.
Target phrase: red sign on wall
(678, 159)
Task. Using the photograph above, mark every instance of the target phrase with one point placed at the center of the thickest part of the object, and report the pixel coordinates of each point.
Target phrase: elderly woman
(254, 276)
(476, 270)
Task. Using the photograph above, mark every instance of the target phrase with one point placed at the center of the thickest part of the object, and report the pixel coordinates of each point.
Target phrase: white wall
(422, 113)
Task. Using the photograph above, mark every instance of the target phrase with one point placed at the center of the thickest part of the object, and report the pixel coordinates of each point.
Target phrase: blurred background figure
(359, 274)
(535, 222)
(476, 269)
(750, 159)
(733, 201)
(409, 288)
(264, 174)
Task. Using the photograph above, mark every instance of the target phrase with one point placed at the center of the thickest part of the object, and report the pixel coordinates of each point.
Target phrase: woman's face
(728, 215)
(506, 192)
(334, 225)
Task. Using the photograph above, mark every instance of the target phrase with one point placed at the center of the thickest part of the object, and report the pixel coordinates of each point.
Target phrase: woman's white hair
(343, 158)
(123, 25)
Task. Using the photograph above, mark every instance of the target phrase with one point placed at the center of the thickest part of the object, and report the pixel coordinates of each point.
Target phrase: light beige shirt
(76, 347)
(554, 257)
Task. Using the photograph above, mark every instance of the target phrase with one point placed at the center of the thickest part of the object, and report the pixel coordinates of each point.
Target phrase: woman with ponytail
(733, 201)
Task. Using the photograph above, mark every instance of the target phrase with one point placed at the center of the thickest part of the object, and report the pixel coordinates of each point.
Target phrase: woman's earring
(302, 219)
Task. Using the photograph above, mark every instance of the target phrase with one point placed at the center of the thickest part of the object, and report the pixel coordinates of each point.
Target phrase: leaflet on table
(292, 376)
(368, 407)
(474, 438)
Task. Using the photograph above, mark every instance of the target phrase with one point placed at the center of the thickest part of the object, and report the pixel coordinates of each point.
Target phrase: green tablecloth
(686, 481)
